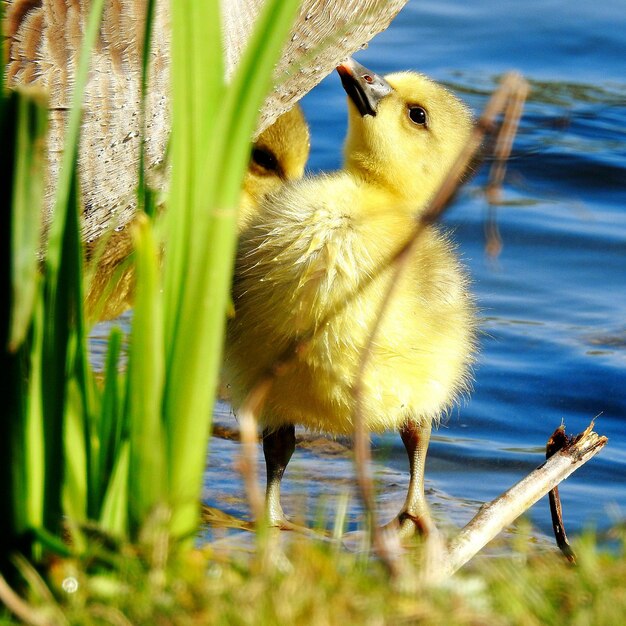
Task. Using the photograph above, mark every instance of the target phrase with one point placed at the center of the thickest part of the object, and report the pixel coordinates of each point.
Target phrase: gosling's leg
(415, 515)
(278, 446)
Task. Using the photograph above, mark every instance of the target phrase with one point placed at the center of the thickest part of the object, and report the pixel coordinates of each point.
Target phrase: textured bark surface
(44, 41)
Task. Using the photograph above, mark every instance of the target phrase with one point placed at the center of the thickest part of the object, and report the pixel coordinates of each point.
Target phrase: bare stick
(382, 541)
(556, 442)
(492, 518)
(248, 420)
(493, 239)
(249, 413)
(512, 83)
(518, 92)
(24, 611)
(502, 151)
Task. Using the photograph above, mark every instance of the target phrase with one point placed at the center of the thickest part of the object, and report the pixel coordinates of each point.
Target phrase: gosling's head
(404, 130)
(278, 155)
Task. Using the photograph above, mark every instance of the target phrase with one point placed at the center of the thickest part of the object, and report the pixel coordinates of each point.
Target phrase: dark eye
(367, 78)
(418, 115)
(265, 159)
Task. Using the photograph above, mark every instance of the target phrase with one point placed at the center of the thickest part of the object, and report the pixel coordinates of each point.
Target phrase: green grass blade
(76, 469)
(62, 302)
(197, 73)
(70, 316)
(28, 188)
(201, 298)
(34, 435)
(197, 91)
(110, 422)
(21, 429)
(114, 515)
(145, 382)
(142, 202)
(11, 472)
(64, 337)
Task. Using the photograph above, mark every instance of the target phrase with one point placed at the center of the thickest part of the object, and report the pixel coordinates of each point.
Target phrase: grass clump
(312, 582)
(77, 453)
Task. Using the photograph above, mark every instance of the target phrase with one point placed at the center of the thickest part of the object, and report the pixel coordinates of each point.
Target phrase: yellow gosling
(278, 155)
(314, 262)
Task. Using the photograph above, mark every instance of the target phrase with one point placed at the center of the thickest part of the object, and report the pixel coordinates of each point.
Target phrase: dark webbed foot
(415, 514)
(278, 446)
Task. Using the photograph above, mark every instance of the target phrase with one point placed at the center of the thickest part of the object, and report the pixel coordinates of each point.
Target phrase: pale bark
(494, 517)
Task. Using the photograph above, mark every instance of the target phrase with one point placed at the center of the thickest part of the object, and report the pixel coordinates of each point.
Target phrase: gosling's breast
(317, 267)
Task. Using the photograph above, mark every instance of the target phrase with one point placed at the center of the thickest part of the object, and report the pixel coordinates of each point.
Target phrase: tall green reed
(113, 453)
(23, 121)
(212, 126)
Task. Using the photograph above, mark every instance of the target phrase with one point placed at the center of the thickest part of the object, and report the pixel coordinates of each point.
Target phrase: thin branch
(557, 441)
(493, 239)
(502, 152)
(387, 550)
(519, 89)
(511, 84)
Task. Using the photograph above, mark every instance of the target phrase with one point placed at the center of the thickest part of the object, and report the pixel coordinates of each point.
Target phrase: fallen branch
(492, 518)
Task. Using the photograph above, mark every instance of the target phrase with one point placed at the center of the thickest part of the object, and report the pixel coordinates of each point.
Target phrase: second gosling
(315, 263)
(278, 155)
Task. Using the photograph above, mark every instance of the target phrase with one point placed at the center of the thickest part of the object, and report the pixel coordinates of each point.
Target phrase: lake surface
(553, 344)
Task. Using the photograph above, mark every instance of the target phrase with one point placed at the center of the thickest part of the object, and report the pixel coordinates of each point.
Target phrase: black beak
(363, 87)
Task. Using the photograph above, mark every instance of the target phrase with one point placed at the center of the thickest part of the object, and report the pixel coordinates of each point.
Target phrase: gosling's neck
(410, 185)
(413, 189)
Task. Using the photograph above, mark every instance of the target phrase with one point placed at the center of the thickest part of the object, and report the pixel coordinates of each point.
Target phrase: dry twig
(557, 442)
(502, 152)
(513, 87)
(248, 420)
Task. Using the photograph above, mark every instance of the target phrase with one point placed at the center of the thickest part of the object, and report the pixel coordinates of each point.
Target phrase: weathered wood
(495, 516)
(44, 40)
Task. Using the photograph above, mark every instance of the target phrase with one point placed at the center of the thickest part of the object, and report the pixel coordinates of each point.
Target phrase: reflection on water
(553, 346)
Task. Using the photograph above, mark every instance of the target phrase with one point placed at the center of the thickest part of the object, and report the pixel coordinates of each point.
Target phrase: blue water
(553, 304)
(553, 346)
